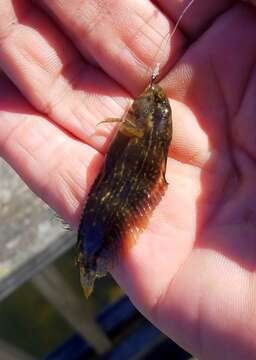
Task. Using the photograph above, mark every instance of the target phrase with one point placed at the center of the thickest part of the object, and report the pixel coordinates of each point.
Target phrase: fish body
(129, 186)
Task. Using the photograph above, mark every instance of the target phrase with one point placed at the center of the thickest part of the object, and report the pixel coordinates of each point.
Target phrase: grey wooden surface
(10, 352)
(30, 238)
(51, 284)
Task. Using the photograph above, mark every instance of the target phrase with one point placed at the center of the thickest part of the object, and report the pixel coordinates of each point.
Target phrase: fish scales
(129, 185)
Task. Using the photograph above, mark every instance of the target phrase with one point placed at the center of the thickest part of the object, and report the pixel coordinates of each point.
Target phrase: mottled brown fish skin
(128, 187)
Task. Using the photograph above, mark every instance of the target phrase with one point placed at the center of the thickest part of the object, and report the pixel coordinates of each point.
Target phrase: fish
(129, 186)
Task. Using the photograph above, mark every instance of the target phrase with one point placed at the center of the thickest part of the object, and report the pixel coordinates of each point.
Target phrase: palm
(191, 272)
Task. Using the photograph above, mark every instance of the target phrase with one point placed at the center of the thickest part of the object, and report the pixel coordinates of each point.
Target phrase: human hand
(192, 270)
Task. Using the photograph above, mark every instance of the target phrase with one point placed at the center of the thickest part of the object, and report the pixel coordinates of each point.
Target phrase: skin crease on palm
(68, 65)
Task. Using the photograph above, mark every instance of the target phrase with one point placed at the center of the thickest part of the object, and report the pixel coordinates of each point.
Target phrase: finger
(49, 71)
(202, 82)
(199, 15)
(124, 37)
(243, 130)
(190, 143)
(55, 166)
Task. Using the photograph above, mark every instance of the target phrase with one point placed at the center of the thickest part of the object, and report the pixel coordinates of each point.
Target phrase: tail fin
(87, 281)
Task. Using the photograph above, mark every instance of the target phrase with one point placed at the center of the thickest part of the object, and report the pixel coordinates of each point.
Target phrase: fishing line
(168, 37)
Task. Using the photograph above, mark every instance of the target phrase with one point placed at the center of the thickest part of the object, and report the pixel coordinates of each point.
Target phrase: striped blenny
(128, 187)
